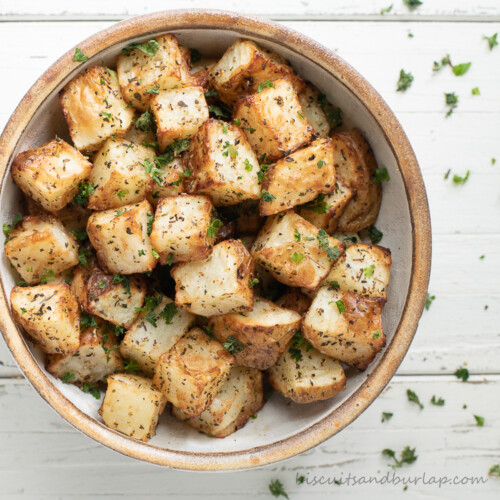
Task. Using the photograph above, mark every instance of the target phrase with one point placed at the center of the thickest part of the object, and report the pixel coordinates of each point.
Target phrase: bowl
(283, 429)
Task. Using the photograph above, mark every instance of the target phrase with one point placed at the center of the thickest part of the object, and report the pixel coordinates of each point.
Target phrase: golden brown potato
(179, 113)
(154, 333)
(49, 314)
(345, 326)
(40, 247)
(131, 406)
(182, 229)
(119, 176)
(273, 121)
(200, 72)
(142, 75)
(111, 297)
(96, 357)
(299, 177)
(217, 285)
(364, 269)
(240, 398)
(192, 372)
(295, 252)
(94, 109)
(310, 101)
(223, 164)
(243, 66)
(260, 335)
(305, 375)
(50, 174)
(120, 238)
(355, 166)
(170, 181)
(295, 300)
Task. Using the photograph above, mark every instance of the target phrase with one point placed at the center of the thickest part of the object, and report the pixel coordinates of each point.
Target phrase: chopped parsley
(475, 91)
(375, 235)
(334, 284)
(102, 284)
(492, 40)
(232, 345)
(107, 117)
(297, 235)
(150, 47)
(87, 320)
(85, 189)
(412, 4)
(321, 163)
(8, 228)
(451, 100)
(125, 280)
(479, 420)
(229, 150)
(108, 350)
(121, 194)
(153, 90)
(80, 235)
(79, 56)
(407, 456)
(265, 85)
(169, 312)
(262, 173)
(323, 244)
(298, 341)
(220, 111)
(146, 122)
(253, 282)
(340, 306)
(151, 219)
(413, 398)
(461, 69)
(457, 179)
(297, 257)
(318, 205)
(445, 61)
(276, 489)
(462, 374)
(405, 81)
(266, 196)
(211, 93)
(91, 389)
(381, 175)
(213, 229)
(47, 275)
(153, 171)
(333, 115)
(83, 256)
(386, 416)
(368, 271)
(68, 377)
(386, 10)
(248, 165)
(494, 471)
(131, 366)
(437, 402)
(428, 301)
(376, 335)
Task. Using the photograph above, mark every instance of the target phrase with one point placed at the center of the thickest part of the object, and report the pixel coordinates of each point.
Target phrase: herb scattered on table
(413, 398)
(407, 456)
(276, 488)
(405, 81)
(462, 374)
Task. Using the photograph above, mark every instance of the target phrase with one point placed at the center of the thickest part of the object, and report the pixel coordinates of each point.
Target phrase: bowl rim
(206, 19)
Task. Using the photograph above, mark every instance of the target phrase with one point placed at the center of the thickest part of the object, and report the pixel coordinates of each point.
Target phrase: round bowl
(283, 429)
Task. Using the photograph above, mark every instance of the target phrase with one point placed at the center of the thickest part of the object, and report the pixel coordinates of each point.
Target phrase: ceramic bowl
(283, 429)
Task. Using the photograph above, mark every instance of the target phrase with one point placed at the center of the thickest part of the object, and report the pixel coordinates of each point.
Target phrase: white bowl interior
(279, 418)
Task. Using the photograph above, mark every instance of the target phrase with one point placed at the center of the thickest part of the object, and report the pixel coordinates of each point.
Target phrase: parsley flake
(405, 81)
(79, 56)
(297, 257)
(232, 345)
(265, 85)
(150, 47)
(413, 398)
(276, 489)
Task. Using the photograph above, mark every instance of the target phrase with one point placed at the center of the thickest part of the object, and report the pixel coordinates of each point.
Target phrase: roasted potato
(168, 182)
(295, 300)
(310, 100)
(345, 326)
(200, 71)
(259, 335)
(191, 373)
(132, 406)
(239, 398)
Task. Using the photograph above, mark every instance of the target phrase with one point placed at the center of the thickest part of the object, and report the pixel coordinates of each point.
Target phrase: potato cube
(294, 251)
(200, 71)
(111, 297)
(191, 373)
(121, 239)
(119, 175)
(154, 333)
(223, 164)
(304, 375)
(295, 300)
(345, 326)
(240, 398)
(170, 181)
(179, 113)
(141, 75)
(182, 229)
(40, 247)
(50, 174)
(299, 177)
(95, 359)
(49, 315)
(355, 165)
(243, 66)
(273, 121)
(260, 335)
(131, 406)
(217, 285)
(94, 109)
(311, 102)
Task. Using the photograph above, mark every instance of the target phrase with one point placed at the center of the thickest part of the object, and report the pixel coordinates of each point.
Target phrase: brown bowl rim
(340, 417)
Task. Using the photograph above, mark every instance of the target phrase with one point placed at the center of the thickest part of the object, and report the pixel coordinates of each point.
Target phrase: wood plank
(36, 443)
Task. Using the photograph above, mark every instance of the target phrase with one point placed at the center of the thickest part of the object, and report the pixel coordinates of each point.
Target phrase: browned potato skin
(262, 344)
(295, 300)
(191, 373)
(200, 72)
(355, 165)
(297, 178)
(56, 329)
(83, 106)
(42, 173)
(246, 392)
(276, 116)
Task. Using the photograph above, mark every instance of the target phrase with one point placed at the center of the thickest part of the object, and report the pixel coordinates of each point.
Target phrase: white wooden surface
(43, 457)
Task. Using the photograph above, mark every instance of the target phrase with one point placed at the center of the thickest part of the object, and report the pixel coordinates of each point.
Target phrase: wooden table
(43, 457)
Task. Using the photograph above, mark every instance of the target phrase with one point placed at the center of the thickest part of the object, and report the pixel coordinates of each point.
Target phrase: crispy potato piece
(299, 177)
(179, 113)
(243, 66)
(40, 247)
(305, 375)
(295, 300)
(355, 166)
(139, 72)
(262, 334)
(131, 406)
(119, 175)
(180, 229)
(50, 174)
(217, 285)
(200, 72)
(94, 109)
(311, 107)
(223, 164)
(49, 315)
(192, 372)
(114, 300)
(295, 252)
(95, 359)
(364, 269)
(238, 399)
(273, 121)
(353, 336)
(171, 181)
(155, 333)
(120, 238)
